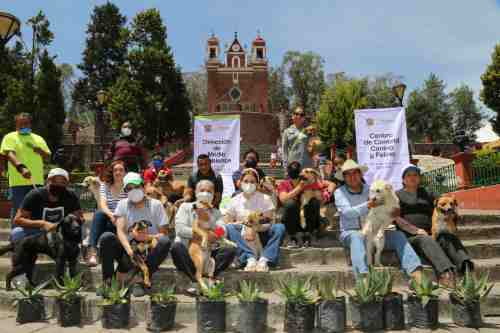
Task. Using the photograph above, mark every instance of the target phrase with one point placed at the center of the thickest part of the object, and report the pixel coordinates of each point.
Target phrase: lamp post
(9, 27)
(102, 98)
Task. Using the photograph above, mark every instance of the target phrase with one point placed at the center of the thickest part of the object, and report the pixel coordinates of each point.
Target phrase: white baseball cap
(58, 172)
(132, 178)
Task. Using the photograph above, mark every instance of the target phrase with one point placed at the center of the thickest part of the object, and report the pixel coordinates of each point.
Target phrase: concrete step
(167, 274)
(186, 310)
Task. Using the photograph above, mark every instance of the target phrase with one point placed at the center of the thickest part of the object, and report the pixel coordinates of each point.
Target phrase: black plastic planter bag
(299, 318)
(162, 316)
(423, 316)
(69, 312)
(116, 316)
(394, 314)
(211, 316)
(367, 316)
(252, 317)
(30, 310)
(331, 315)
(465, 315)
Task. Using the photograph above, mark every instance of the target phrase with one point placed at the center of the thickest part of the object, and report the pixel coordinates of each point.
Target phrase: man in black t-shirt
(43, 207)
(205, 171)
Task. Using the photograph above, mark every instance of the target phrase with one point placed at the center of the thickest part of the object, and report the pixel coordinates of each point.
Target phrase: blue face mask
(158, 164)
(25, 131)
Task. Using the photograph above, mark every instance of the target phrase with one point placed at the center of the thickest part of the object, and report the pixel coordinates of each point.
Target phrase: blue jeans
(394, 240)
(101, 223)
(17, 194)
(19, 233)
(271, 240)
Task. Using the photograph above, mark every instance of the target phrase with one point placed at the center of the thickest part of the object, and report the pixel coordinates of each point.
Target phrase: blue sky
(452, 38)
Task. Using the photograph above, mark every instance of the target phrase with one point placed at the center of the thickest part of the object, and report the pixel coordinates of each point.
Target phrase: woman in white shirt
(240, 206)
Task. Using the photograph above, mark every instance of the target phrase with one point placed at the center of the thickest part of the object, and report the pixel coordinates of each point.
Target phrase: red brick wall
(487, 198)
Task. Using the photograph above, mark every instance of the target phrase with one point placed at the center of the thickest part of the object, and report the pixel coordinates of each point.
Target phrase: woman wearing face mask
(189, 212)
(250, 160)
(271, 235)
(111, 192)
(126, 149)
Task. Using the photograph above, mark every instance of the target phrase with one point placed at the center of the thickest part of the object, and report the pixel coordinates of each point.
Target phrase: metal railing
(486, 172)
(442, 180)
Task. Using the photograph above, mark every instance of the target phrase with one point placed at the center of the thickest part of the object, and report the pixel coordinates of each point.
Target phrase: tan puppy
(250, 231)
(444, 217)
(314, 144)
(378, 219)
(268, 186)
(93, 184)
(167, 185)
(170, 209)
(311, 178)
(142, 243)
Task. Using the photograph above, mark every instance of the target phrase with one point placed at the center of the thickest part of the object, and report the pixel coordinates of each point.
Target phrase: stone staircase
(480, 232)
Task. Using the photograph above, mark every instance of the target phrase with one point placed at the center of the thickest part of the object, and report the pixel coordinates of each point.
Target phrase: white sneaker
(251, 265)
(262, 266)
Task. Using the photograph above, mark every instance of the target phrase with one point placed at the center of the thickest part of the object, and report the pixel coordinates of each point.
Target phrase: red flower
(219, 232)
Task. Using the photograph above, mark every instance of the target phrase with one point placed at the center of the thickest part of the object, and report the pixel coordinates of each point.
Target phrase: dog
(312, 189)
(379, 219)
(250, 232)
(200, 248)
(267, 185)
(142, 244)
(172, 189)
(154, 192)
(444, 217)
(93, 184)
(61, 244)
(314, 144)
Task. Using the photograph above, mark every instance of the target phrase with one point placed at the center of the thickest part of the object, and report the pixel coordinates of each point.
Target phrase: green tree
(196, 86)
(466, 114)
(490, 94)
(380, 94)
(335, 119)
(279, 92)
(305, 71)
(105, 53)
(428, 112)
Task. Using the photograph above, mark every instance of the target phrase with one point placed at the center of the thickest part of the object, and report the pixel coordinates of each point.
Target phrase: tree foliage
(196, 86)
(490, 94)
(305, 71)
(428, 112)
(466, 114)
(278, 93)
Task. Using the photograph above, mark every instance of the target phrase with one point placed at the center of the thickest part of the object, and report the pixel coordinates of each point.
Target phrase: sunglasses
(300, 114)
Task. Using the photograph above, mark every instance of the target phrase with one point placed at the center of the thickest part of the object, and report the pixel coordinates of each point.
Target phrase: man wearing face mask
(25, 152)
(126, 149)
(157, 165)
(250, 160)
(289, 192)
(44, 206)
(116, 247)
(188, 212)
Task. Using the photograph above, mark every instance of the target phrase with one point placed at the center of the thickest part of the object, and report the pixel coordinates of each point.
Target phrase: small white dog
(93, 184)
(379, 219)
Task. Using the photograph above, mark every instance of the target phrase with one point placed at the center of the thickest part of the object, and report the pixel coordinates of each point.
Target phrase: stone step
(168, 275)
(186, 310)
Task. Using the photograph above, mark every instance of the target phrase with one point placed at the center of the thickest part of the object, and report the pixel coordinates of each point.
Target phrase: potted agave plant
(366, 303)
(330, 307)
(30, 304)
(392, 302)
(253, 309)
(423, 303)
(69, 300)
(115, 305)
(211, 309)
(299, 306)
(163, 310)
(465, 299)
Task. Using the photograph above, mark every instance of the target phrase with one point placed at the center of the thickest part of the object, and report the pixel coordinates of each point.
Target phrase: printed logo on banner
(370, 122)
(207, 127)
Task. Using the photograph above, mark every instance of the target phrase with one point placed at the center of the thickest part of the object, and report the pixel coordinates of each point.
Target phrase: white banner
(218, 136)
(382, 143)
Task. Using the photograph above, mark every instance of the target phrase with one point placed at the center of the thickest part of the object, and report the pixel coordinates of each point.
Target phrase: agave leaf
(424, 300)
(38, 288)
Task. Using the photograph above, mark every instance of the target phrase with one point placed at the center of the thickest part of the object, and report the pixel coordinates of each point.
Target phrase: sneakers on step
(293, 244)
(251, 265)
(262, 266)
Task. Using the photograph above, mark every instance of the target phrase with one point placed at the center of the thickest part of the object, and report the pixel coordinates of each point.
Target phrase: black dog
(62, 245)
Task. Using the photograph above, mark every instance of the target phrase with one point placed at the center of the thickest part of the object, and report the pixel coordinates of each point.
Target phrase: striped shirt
(111, 201)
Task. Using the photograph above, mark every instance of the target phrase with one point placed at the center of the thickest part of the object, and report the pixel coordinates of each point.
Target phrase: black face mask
(251, 163)
(293, 172)
(57, 190)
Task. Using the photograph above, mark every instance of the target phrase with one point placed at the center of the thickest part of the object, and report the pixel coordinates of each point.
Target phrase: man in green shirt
(25, 152)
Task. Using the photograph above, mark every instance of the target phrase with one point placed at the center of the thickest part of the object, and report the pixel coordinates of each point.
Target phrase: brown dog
(142, 243)
(269, 186)
(444, 218)
(169, 187)
(153, 192)
(311, 178)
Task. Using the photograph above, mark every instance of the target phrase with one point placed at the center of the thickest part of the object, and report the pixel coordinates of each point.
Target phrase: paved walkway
(8, 324)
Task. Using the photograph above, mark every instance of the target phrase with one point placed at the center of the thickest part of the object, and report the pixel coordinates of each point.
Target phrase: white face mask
(206, 197)
(126, 131)
(248, 188)
(136, 195)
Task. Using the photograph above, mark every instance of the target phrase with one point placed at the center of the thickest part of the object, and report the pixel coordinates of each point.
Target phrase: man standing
(127, 149)
(295, 141)
(137, 207)
(205, 172)
(25, 152)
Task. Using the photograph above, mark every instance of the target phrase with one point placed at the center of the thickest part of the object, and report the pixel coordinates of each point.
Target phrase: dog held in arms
(142, 244)
(61, 244)
(200, 247)
(379, 219)
(312, 190)
(170, 209)
(444, 217)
